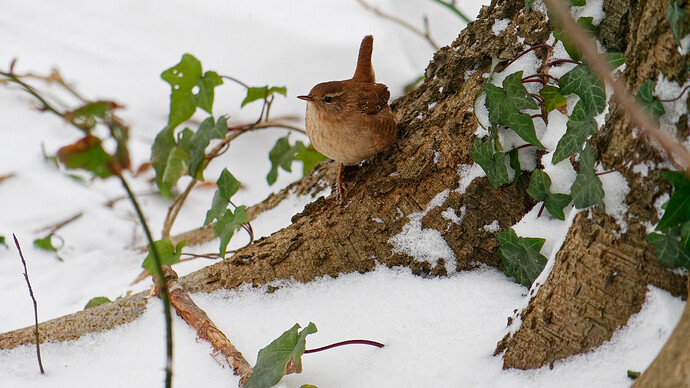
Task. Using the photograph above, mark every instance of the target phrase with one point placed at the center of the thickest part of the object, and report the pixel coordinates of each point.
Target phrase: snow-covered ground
(438, 332)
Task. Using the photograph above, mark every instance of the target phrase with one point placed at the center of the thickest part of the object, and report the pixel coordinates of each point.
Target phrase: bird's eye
(327, 99)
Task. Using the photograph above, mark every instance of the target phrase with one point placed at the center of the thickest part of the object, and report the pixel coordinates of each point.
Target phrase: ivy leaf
(97, 301)
(87, 154)
(2, 240)
(584, 22)
(206, 85)
(553, 99)
(587, 190)
(227, 187)
(261, 93)
(281, 357)
(677, 211)
(577, 3)
(589, 88)
(668, 249)
(182, 78)
(174, 166)
(540, 189)
(674, 16)
(520, 256)
(514, 162)
(200, 140)
(227, 224)
(504, 106)
(493, 163)
(580, 127)
(651, 104)
(46, 244)
(160, 152)
(685, 236)
(615, 59)
(308, 156)
(528, 5)
(167, 252)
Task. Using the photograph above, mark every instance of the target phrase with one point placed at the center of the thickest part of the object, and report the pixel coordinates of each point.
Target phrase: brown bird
(350, 121)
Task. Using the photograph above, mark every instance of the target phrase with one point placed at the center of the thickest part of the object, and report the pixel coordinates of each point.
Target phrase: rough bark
(601, 273)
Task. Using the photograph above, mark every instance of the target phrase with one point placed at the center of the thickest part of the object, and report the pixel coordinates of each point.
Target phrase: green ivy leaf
(615, 59)
(668, 249)
(540, 189)
(685, 236)
(162, 146)
(514, 162)
(651, 104)
(504, 106)
(46, 243)
(175, 166)
(228, 185)
(587, 190)
(674, 16)
(2, 240)
(207, 85)
(520, 256)
(677, 211)
(87, 154)
(261, 93)
(308, 156)
(167, 252)
(553, 99)
(200, 140)
(493, 163)
(97, 301)
(577, 3)
(589, 88)
(227, 224)
(584, 22)
(580, 127)
(182, 78)
(281, 357)
(528, 5)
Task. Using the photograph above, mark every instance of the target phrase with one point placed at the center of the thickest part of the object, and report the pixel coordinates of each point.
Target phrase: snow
(438, 332)
(499, 25)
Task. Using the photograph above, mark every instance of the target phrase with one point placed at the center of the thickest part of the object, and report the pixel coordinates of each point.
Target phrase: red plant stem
(348, 342)
(543, 45)
(561, 61)
(679, 96)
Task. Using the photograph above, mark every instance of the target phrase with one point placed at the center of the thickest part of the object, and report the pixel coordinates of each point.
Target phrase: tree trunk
(601, 272)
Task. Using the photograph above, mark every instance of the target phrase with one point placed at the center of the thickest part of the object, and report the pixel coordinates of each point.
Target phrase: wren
(350, 121)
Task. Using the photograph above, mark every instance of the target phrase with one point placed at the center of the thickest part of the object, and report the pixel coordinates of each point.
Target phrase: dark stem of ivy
(542, 76)
(31, 293)
(161, 283)
(543, 45)
(541, 209)
(679, 96)
(561, 61)
(627, 162)
(349, 342)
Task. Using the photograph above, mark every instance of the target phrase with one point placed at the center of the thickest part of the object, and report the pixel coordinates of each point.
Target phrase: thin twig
(536, 46)
(161, 284)
(676, 152)
(31, 293)
(400, 22)
(54, 228)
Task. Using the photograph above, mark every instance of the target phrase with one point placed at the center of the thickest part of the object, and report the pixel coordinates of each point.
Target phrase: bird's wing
(373, 98)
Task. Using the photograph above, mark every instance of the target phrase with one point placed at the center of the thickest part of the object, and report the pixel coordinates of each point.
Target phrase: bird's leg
(340, 186)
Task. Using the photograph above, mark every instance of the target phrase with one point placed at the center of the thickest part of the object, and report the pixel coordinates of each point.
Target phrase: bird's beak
(306, 98)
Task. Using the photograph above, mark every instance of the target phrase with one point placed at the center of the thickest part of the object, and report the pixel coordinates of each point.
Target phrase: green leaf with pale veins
(227, 224)
(200, 140)
(504, 106)
(668, 249)
(283, 154)
(589, 88)
(168, 254)
(281, 357)
(182, 78)
(580, 127)
(520, 256)
(674, 16)
(553, 99)
(308, 156)
(492, 162)
(652, 105)
(540, 189)
(587, 189)
(615, 59)
(514, 162)
(160, 151)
